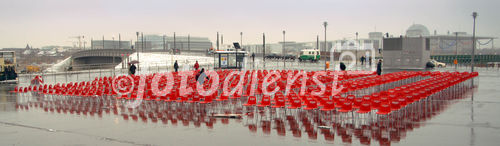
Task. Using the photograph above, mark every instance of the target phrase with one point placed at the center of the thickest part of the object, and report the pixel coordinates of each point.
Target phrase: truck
(309, 54)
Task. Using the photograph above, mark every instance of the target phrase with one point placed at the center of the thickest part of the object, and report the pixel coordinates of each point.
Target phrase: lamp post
(217, 41)
(102, 42)
(317, 42)
(136, 45)
(114, 47)
(474, 15)
(241, 38)
(456, 50)
(164, 49)
(357, 43)
(284, 65)
(91, 43)
(84, 42)
(119, 41)
(175, 45)
(264, 48)
(326, 24)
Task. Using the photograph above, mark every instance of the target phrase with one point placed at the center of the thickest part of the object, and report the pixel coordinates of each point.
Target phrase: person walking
(201, 76)
(196, 65)
(342, 66)
(253, 57)
(363, 60)
(132, 69)
(253, 60)
(176, 66)
(379, 67)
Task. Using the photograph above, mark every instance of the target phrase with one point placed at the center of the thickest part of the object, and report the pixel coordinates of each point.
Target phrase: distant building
(406, 53)
(109, 44)
(184, 43)
(417, 30)
(374, 41)
(459, 42)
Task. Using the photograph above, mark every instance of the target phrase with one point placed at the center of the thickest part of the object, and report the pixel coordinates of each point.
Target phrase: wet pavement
(471, 118)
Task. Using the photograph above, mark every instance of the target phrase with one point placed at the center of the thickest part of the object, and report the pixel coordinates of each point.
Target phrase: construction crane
(79, 40)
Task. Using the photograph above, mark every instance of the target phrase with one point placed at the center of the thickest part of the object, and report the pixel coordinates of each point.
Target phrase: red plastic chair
(365, 108)
(357, 103)
(296, 103)
(279, 102)
(384, 109)
(208, 99)
(222, 98)
(311, 104)
(328, 106)
(346, 107)
(266, 101)
(395, 105)
(252, 100)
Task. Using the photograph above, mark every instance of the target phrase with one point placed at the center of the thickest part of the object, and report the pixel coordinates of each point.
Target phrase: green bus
(309, 54)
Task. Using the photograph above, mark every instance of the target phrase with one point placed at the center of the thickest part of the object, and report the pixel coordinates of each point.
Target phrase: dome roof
(417, 30)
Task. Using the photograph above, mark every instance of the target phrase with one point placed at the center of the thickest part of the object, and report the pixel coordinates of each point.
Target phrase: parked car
(290, 57)
(438, 64)
(273, 56)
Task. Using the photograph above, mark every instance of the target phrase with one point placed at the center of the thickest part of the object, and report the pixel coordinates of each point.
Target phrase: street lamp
(284, 50)
(83, 42)
(357, 43)
(264, 48)
(326, 24)
(241, 38)
(114, 47)
(474, 15)
(456, 51)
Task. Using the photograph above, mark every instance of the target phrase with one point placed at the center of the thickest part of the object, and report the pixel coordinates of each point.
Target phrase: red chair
(195, 98)
(296, 103)
(357, 103)
(208, 99)
(328, 106)
(365, 108)
(279, 102)
(395, 105)
(222, 98)
(384, 109)
(311, 104)
(252, 100)
(340, 102)
(346, 107)
(266, 101)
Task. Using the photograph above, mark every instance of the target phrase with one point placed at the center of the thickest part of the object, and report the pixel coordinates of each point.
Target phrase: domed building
(417, 30)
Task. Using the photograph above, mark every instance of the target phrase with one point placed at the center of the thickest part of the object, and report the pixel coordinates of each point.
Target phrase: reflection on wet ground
(447, 118)
(314, 124)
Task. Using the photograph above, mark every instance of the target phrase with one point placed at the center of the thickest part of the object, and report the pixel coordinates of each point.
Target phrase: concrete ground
(473, 120)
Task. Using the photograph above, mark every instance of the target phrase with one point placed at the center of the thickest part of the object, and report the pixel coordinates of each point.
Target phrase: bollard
(66, 76)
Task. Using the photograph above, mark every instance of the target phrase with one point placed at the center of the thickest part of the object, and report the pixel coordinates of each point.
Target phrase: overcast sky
(52, 22)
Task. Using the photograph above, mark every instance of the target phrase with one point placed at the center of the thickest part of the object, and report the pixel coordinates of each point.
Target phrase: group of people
(363, 59)
(8, 73)
(379, 66)
(200, 76)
